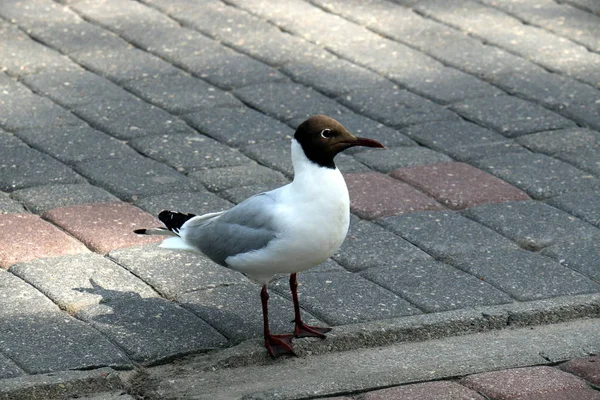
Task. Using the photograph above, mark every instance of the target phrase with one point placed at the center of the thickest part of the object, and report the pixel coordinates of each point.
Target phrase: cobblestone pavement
(487, 197)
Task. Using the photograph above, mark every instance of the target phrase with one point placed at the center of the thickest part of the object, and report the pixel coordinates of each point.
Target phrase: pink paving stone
(587, 367)
(441, 390)
(524, 383)
(575, 394)
(459, 185)
(374, 195)
(104, 226)
(25, 237)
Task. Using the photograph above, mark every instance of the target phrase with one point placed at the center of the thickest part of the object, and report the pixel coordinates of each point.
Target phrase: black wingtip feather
(140, 231)
(174, 220)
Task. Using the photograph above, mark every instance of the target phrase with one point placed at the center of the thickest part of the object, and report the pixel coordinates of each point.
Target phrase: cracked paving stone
(435, 287)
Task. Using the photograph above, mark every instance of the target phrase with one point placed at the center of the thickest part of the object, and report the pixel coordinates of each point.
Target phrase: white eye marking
(326, 133)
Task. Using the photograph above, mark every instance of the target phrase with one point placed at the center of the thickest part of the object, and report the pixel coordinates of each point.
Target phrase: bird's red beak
(359, 141)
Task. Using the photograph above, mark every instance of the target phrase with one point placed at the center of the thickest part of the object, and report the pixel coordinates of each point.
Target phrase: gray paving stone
(173, 273)
(448, 85)
(585, 114)
(587, 159)
(73, 35)
(584, 205)
(445, 233)
(563, 140)
(180, 93)
(581, 255)
(532, 224)
(21, 55)
(9, 206)
(471, 154)
(510, 115)
(399, 157)
(152, 329)
(40, 338)
(524, 275)
(452, 134)
(286, 101)
(238, 126)
(589, 5)
(121, 62)
(348, 164)
(77, 282)
(274, 154)
(360, 125)
(573, 23)
(434, 286)
(208, 59)
(369, 246)
(218, 179)
(538, 175)
(133, 178)
(74, 144)
(200, 202)
(131, 119)
(30, 111)
(235, 310)
(342, 298)
(43, 198)
(238, 194)
(23, 167)
(396, 107)
(333, 76)
(74, 88)
(189, 153)
(9, 140)
(8, 369)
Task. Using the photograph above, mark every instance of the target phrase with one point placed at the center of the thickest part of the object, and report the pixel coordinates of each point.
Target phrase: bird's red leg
(301, 329)
(276, 345)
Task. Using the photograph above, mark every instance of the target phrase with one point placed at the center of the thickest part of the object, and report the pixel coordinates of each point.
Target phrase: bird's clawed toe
(302, 330)
(278, 345)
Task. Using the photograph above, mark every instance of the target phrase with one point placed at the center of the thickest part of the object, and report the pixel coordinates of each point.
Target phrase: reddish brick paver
(524, 383)
(459, 185)
(104, 226)
(442, 390)
(374, 195)
(25, 237)
(587, 367)
(578, 394)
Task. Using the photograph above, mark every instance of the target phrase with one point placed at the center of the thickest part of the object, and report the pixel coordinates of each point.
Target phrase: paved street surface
(473, 247)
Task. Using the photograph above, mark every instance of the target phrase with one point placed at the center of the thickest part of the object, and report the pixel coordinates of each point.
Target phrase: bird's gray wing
(245, 227)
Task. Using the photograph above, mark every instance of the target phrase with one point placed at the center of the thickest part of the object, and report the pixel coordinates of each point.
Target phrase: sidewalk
(478, 224)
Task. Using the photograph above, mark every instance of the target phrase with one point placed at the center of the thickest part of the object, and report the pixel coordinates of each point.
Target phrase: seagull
(283, 231)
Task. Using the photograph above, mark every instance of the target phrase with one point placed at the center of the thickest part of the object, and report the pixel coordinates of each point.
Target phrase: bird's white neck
(309, 176)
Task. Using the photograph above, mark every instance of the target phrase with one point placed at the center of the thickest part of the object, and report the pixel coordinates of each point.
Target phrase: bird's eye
(326, 133)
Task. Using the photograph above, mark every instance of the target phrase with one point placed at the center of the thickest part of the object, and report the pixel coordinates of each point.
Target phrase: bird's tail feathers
(177, 243)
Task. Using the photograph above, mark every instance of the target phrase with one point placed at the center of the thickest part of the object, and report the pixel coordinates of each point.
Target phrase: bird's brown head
(322, 138)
